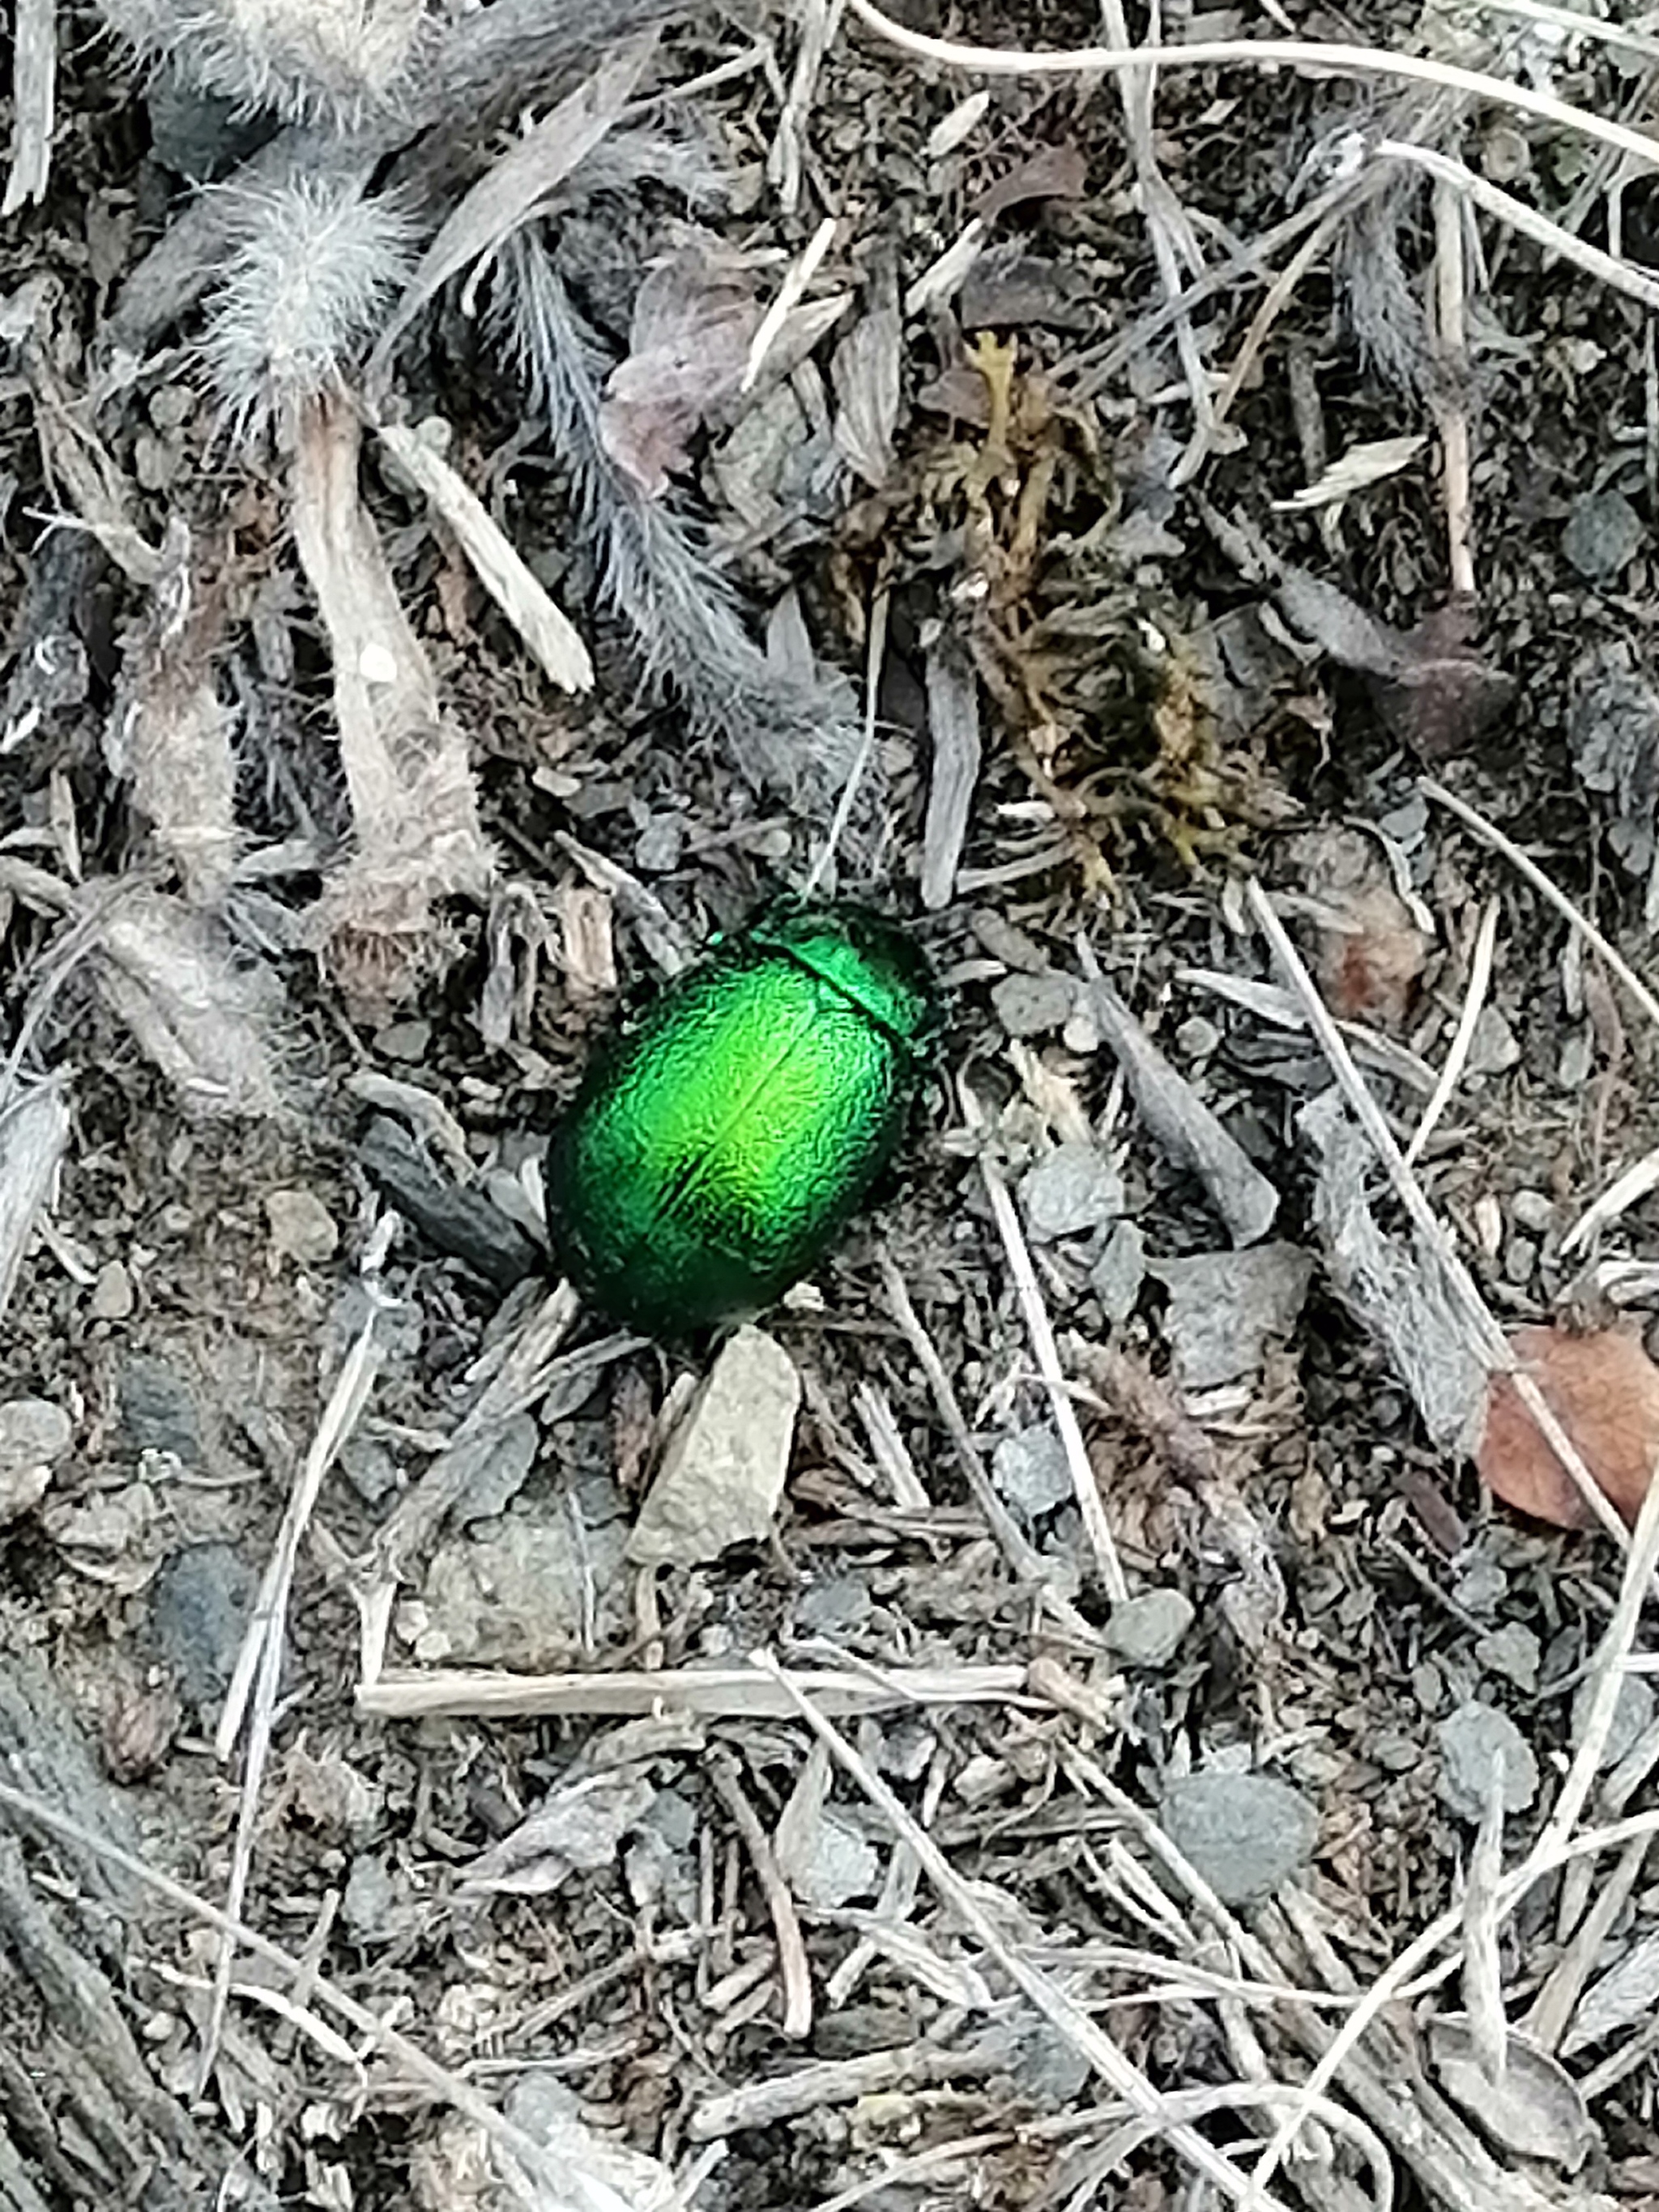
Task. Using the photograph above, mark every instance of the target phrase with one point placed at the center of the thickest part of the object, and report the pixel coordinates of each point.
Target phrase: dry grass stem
(34, 1134)
(438, 2081)
(1454, 179)
(1313, 57)
(715, 1692)
(1063, 2016)
(1599, 28)
(260, 1663)
(1486, 1337)
(820, 22)
(875, 656)
(722, 1772)
(1022, 1555)
(1451, 408)
(1523, 865)
(1086, 1488)
(549, 634)
(1474, 998)
(513, 191)
(1628, 1189)
(790, 294)
(34, 102)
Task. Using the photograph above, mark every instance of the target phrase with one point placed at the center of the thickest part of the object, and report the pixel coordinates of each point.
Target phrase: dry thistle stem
(309, 60)
(310, 262)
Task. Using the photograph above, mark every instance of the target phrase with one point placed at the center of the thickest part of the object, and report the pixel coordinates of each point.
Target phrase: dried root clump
(312, 264)
(308, 60)
(683, 617)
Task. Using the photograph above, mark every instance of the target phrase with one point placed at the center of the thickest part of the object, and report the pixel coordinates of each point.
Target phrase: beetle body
(719, 1142)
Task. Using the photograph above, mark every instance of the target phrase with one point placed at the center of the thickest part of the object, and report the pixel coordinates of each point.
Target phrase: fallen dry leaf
(1370, 951)
(1057, 173)
(1604, 1390)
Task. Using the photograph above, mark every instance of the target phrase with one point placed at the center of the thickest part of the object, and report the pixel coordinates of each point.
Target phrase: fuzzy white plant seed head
(312, 264)
(309, 60)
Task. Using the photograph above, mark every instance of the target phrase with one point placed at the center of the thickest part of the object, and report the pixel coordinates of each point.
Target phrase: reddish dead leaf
(1058, 173)
(1604, 1390)
(1370, 952)
(693, 321)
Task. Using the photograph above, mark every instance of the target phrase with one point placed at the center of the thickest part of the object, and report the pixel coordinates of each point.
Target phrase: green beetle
(719, 1142)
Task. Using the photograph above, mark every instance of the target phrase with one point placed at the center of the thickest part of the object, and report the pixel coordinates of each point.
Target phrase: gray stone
(1495, 1047)
(723, 1472)
(657, 849)
(1030, 1469)
(1511, 1651)
(504, 1461)
(838, 1606)
(1027, 1005)
(515, 1595)
(1632, 1717)
(1069, 1191)
(1604, 534)
(1225, 1307)
(1147, 1631)
(1116, 1277)
(301, 1227)
(159, 1408)
(35, 1435)
(201, 1602)
(1475, 1741)
(1481, 1586)
(1245, 1833)
(113, 1295)
(370, 1905)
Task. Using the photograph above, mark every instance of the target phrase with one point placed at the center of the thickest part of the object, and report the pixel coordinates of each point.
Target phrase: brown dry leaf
(1370, 951)
(1604, 1390)
(1058, 173)
(1428, 685)
(693, 324)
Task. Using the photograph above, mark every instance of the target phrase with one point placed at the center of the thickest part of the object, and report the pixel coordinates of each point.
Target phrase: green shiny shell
(720, 1141)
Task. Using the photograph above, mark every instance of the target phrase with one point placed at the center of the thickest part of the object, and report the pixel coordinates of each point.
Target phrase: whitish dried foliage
(328, 59)
(310, 262)
(201, 1013)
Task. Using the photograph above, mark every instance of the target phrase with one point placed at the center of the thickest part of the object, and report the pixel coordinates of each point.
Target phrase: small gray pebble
(1481, 1586)
(1245, 1833)
(1604, 534)
(1474, 1741)
(159, 1408)
(1026, 1005)
(1197, 1037)
(1632, 1717)
(369, 1468)
(1495, 1047)
(657, 847)
(1147, 1631)
(1070, 1190)
(1116, 1277)
(369, 1903)
(1533, 1211)
(1511, 1651)
(838, 1606)
(199, 1604)
(1030, 1470)
(409, 1042)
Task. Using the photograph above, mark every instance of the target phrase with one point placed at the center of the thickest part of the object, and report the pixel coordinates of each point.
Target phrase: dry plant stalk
(34, 1134)
(33, 100)
(170, 732)
(715, 1692)
(413, 805)
(199, 1011)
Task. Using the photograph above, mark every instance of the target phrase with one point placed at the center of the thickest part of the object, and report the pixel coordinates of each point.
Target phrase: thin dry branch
(34, 102)
(715, 1692)
(1313, 58)
(722, 1772)
(1474, 998)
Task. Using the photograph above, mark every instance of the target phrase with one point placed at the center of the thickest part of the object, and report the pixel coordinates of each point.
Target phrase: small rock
(838, 1606)
(1224, 1307)
(1197, 1037)
(1116, 1277)
(501, 1468)
(34, 1434)
(1511, 1651)
(370, 1905)
(515, 1595)
(1027, 1005)
(1030, 1470)
(1147, 1631)
(301, 1227)
(1070, 1190)
(1474, 1741)
(1046, 2067)
(369, 1468)
(1533, 1211)
(1482, 1587)
(1245, 1833)
(723, 1472)
(159, 1408)
(200, 1605)
(1495, 1047)
(1604, 534)
(113, 1295)
(409, 1042)
(657, 847)
(1632, 1717)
